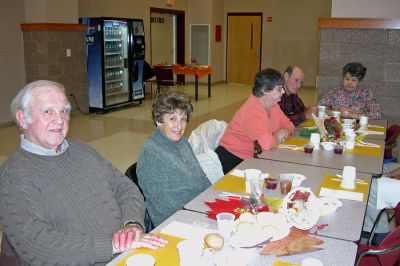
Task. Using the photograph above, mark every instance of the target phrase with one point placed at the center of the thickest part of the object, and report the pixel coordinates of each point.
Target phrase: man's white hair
(24, 97)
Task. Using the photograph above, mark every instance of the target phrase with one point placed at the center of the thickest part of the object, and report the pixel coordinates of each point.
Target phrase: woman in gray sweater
(168, 171)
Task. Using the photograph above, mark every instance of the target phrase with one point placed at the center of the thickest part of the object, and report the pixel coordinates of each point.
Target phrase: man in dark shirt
(290, 103)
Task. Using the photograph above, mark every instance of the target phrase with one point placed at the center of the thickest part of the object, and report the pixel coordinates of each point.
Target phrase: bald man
(290, 103)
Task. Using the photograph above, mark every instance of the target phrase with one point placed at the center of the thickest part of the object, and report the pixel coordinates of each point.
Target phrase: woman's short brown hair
(168, 103)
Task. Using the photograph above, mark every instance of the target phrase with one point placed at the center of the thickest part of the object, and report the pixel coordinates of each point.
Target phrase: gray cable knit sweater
(169, 175)
(64, 209)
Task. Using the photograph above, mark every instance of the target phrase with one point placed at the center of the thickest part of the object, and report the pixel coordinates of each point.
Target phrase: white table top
(346, 223)
(335, 251)
(322, 158)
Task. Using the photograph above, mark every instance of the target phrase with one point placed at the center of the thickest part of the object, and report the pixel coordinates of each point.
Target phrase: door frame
(229, 14)
(180, 35)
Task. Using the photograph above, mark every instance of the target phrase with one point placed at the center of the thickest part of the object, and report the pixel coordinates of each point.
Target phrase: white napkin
(340, 194)
(187, 231)
(388, 192)
(237, 172)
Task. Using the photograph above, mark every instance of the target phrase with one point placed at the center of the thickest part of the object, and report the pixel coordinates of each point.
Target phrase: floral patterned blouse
(359, 101)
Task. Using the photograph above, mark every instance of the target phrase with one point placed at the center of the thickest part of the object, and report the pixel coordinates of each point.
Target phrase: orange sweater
(252, 122)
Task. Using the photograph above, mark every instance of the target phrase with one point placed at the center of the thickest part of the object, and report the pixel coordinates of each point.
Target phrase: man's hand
(131, 236)
(310, 110)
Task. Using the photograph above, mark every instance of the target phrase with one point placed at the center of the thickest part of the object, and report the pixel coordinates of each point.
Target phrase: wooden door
(244, 47)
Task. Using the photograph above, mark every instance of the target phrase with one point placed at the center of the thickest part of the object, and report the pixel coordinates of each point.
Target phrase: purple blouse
(360, 101)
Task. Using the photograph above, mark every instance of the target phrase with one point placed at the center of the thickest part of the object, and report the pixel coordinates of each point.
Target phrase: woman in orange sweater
(259, 118)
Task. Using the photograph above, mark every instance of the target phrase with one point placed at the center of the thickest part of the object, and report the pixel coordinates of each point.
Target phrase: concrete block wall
(46, 58)
(377, 49)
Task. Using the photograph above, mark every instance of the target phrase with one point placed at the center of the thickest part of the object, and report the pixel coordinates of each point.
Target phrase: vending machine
(138, 49)
(111, 65)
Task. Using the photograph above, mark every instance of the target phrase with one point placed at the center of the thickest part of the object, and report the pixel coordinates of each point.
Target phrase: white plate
(243, 240)
(328, 146)
(306, 215)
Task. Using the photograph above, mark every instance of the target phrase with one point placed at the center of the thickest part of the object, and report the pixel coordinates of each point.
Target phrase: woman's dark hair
(355, 69)
(266, 80)
(168, 103)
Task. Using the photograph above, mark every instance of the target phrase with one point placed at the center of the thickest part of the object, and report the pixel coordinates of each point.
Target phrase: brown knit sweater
(64, 209)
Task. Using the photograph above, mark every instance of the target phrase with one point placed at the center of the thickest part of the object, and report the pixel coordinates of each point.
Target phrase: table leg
(209, 85)
(196, 87)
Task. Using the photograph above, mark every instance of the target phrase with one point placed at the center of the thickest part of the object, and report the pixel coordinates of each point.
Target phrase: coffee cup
(321, 111)
(315, 139)
(348, 177)
(350, 140)
(336, 114)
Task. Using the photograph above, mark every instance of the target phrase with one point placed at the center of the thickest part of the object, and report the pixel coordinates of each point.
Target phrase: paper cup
(226, 223)
(315, 139)
(336, 114)
(364, 121)
(140, 259)
(348, 177)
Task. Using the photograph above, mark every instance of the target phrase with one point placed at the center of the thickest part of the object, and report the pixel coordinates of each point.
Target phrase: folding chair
(164, 77)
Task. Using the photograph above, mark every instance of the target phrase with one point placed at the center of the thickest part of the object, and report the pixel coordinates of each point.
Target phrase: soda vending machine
(112, 79)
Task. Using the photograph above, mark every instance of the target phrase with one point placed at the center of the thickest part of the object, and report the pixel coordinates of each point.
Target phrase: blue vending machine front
(138, 51)
(107, 62)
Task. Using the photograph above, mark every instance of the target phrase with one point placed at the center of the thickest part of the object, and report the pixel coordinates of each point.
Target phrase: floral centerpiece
(333, 130)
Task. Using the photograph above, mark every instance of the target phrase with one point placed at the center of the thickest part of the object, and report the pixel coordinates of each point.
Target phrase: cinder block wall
(377, 49)
(46, 58)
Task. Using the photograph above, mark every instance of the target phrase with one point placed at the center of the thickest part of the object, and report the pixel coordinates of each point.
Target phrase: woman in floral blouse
(352, 99)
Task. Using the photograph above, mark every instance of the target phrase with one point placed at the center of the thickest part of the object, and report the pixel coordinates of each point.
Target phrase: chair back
(397, 214)
(392, 243)
(391, 140)
(131, 173)
(165, 76)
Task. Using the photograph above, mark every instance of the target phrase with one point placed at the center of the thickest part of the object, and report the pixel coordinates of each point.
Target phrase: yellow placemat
(327, 182)
(376, 128)
(296, 141)
(278, 262)
(231, 183)
(365, 150)
(166, 256)
(307, 123)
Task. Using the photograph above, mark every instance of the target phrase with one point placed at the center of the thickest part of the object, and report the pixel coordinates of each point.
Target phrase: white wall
(366, 8)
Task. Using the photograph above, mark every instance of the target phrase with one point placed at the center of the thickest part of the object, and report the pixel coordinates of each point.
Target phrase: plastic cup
(350, 140)
(321, 111)
(226, 223)
(140, 259)
(256, 188)
(190, 252)
(363, 120)
(285, 183)
(308, 148)
(338, 149)
(272, 183)
(251, 174)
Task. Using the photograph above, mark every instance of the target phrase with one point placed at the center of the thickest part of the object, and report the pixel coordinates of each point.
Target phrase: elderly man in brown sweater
(60, 201)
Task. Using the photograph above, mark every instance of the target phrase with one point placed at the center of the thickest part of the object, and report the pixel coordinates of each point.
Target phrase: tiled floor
(119, 134)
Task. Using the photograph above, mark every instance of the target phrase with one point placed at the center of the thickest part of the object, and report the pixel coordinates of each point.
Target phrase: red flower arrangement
(334, 130)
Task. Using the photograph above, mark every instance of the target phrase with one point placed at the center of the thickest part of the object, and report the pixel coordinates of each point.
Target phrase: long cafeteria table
(334, 252)
(345, 224)
(321, 158)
